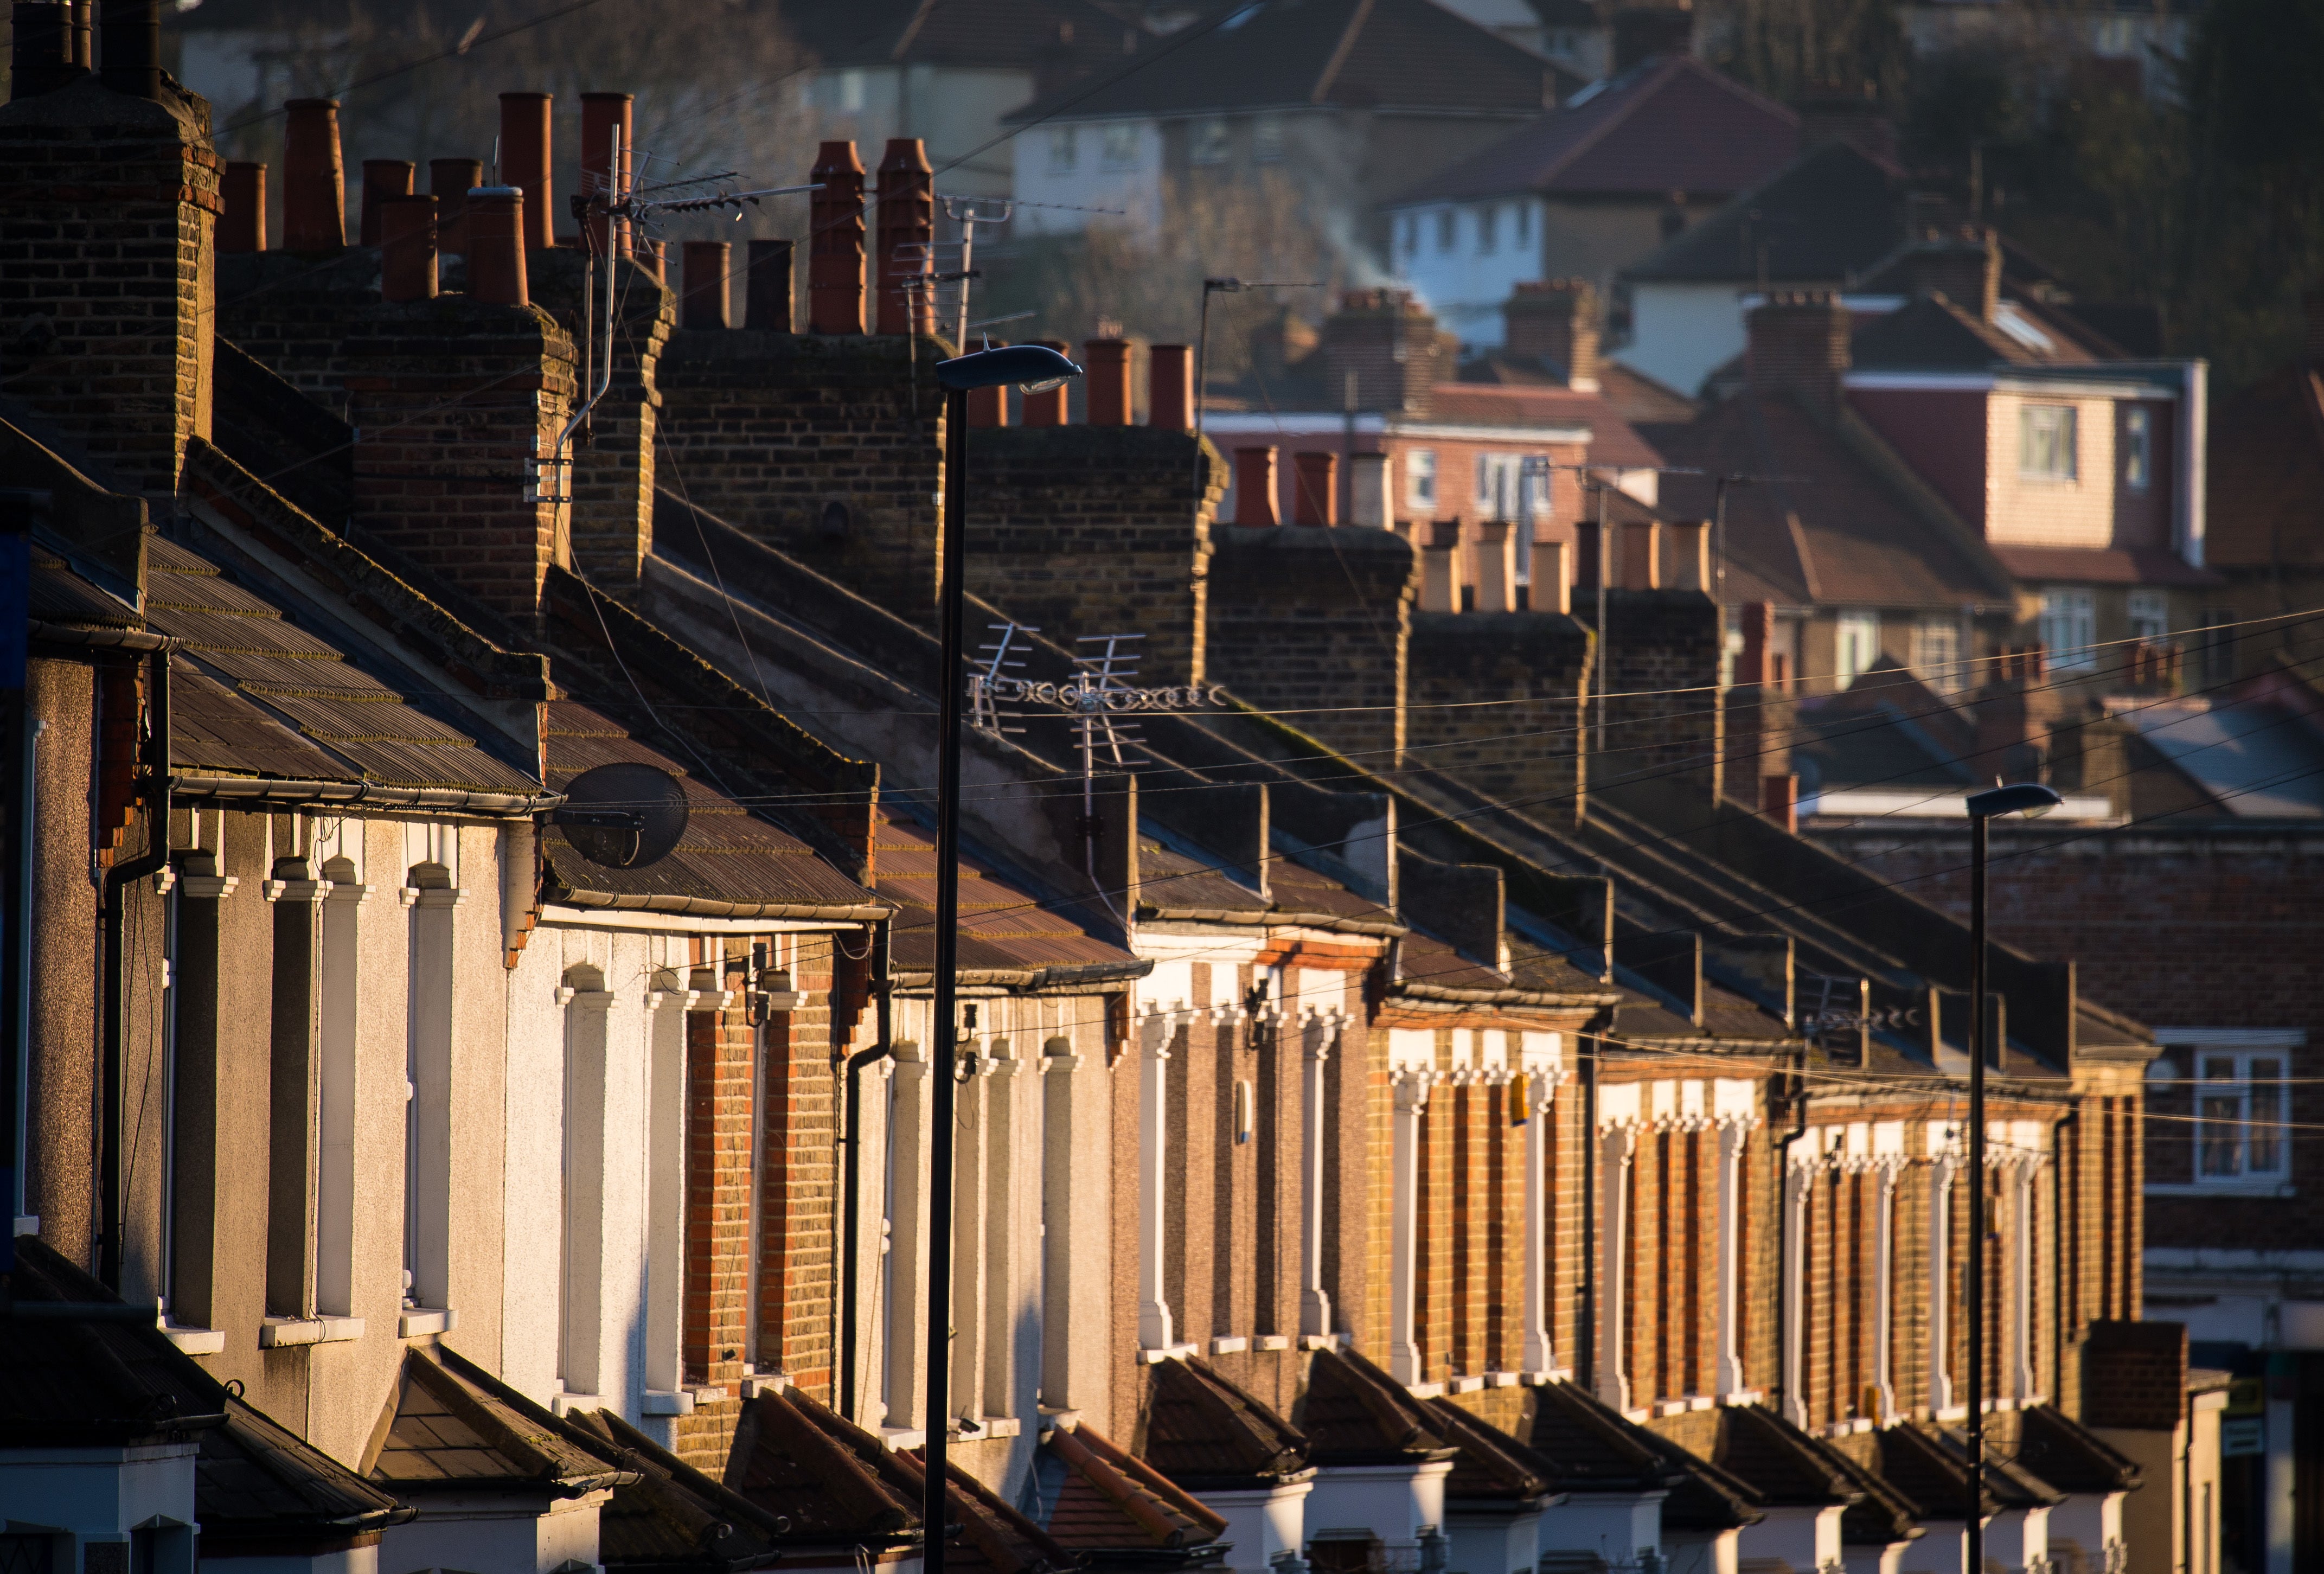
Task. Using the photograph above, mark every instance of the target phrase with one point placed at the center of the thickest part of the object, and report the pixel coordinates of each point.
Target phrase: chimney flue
(1315, 487)
(496, 272)
(84, 34)
(1799, 345)
(449, 182)
(40, 49)
(602, 114)
(1254, 476)
(704, 304)
(1388, 341)
(1170, 387)
(835, 266)
(1964, 266)
(241, 228)
(768, 289)
(132, 60)
(1106, 396)
(407, 248)
(525, 149)
(314, 181)
(908, 227)
(382, 178)
(1556, 322)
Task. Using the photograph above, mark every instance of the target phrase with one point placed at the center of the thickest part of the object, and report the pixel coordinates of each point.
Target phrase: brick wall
(108, 207)
(1496, 697)
(610, 522)
(289, 313)
(799, 1199)
(1661, 647)
(1316, 623)
(828, 448)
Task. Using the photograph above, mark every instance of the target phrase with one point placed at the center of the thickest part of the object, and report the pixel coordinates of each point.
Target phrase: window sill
(2221, 1188)
(194, 1341)
(563, 1404)
(418, 1321)
(677, 1402)
(283, 1332)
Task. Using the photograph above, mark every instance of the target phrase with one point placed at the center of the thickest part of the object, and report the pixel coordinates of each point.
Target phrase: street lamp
(2030, 798)
(1034, 369)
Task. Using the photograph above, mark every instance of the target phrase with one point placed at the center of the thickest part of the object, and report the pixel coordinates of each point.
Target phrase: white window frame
(2150, 614)
(1064, 149)
(1118, 147)
(2137, 448)
(1448, 229)
(1525, 223)
(1210, 140)
(2069, 626)
(2219, 1078)
(1489, 229)
(2192, 1049)
(1412, 235)
(1856, 633)
(1420, 478)
(1937, 654)
(2049, 442)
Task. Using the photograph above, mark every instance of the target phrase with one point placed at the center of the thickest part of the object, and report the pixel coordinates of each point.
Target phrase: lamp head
(2028, 798)
(1033, 368)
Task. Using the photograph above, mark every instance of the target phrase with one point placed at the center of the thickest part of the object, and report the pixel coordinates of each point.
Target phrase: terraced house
(1414, 1115)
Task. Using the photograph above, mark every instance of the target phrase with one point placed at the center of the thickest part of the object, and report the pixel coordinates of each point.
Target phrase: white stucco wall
(1681, 333)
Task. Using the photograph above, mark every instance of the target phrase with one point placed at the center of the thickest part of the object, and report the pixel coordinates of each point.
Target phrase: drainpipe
(1585, 1366)
(2063, 1314)
(851, 1228)
(1783, 1225)
(117, 880)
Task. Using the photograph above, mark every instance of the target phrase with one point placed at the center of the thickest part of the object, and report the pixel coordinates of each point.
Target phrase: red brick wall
(798, 1206)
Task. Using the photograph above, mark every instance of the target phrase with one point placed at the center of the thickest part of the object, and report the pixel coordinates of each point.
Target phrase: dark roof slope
(672, 1516)
(1594, 1448)
(1491, 1465)
(2266, 470)
(1047, 35)
(728, 863)
(1107, 1505)
(1205, 1434)
(1825, 216)
(451, 1426)
(1291, 54)
(1929, 333)
(1354, 1414)
(263, 1491)
(1777, 1460)
(94, 1384)
(1671, 124)
(2068, 1456)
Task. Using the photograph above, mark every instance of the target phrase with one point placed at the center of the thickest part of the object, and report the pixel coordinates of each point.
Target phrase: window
(2137, 449)
(1212, 141)
(2150, 614)
(1936, 653)
(1420, 478)
(1858, 646)
(2045, 442)
(1448, 224)
(1121, 149)
(2069, 627)
(1064, 149)
(1411, 235)
(2239, 1111)
(1525, 223)
(1489, 230)
(1500, 477)
(2219, 643)
(1267, 138)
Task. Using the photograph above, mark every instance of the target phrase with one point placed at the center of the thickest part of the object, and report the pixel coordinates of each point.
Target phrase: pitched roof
(266, 1491)
(1668, 124)
(1008, 935)
(1838, 526)
(1930, 333)
(1821, 219)
(2105, 565)
(991, 35)
(451, 1426)
(1594, 1447)
(1491, 1465)
(1296, 54)
(2068, 1456)
(93, 1383)
(1354, 1414)
(261, 696)
(2266, 470)
(729, 863)
(1781, 1463)
(1612, 439)
(1100, 1500)
(1205, 1434)
(672, 1516)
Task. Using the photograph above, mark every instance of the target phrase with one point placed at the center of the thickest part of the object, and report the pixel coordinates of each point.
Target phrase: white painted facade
(137, 1500)
(1466, 258)
(1082, 166)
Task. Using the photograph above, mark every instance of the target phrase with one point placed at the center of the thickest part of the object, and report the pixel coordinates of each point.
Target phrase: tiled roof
(987, 34)
(1006, 935)
(255, 694)
(789, 1459)
(1491, 1465)
(1294, 54)
(1109, 1501)
(1169, 881)
(260, 1487)
(2266, 470)
(2104, 565)
(57, 594)
(1824, 217)
(1612, 439)
(1594, 1448)
(1930, 1471)
(1629, 394)
(728, 862)
(454, 1427)
(673, 1516)
(2068, 1456)
(1930, 333)
(1205, 1434)
(1778, 1462)
(93, 1385)
(1672, 124)
(1834, 528)
(1354, 1414)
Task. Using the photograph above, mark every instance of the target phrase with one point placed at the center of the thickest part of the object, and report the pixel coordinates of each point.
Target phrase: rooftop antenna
(968, 212)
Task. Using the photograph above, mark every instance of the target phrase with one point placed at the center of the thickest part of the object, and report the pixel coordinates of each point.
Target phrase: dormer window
(2046, 442)
(2137, 449)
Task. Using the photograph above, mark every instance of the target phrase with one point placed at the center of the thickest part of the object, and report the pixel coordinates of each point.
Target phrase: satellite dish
(623, 815)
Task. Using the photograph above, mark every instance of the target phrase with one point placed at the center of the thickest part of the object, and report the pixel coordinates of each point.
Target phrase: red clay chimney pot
(1107, 373)
(382, 178)
(706, 266)
(834, 267)
(241, 228)
(314, 181)
(601, 114)
(407, 248)
(1254, 472)
(449, 182)
(908, 227)
(1315, 487)
(1170, 387)
(496, 272)
(1047, 409)
(525, 152)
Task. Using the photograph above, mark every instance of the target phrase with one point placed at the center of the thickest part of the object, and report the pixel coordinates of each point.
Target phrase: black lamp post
(2030, 798)
(1033, 368)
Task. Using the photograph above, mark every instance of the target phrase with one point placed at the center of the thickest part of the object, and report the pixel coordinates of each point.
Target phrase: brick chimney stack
(907, 226)
(1799, 345)
(314, 181)
(40, 52)
(1388, 341)
(1555, 320)
(525, 151)
(1963, 265)
(602, 116)
(835, 264)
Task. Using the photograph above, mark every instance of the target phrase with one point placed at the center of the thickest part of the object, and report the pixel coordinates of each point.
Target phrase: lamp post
(1033, 368)
(2030, 798)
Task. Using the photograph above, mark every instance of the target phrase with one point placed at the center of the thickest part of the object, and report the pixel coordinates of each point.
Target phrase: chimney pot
(908, 228)
(241, 228)
(84, 34)
(988, 406)
(1441, 579)
(834, 267)
(649, 255)
(1686, 556)
(496, 272)
(1370, 491)
(1779, 801)
(1106, 397)
(41, 50)
(1496, 566)
(1552, 590)
(704, 304)
(1641, 544)
(602, 114)
(382, 178)
(766, 289)
(1170, 387)
(407, 248)
(132, 60)
(1753, 667)
(1963, 266)
(449, 182)
(1315, 487)
(1555, 320)
(1799, 345)
(1047, 409)
(314, 181)
(525, 151)
(1388, 341)
(1254, 474)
